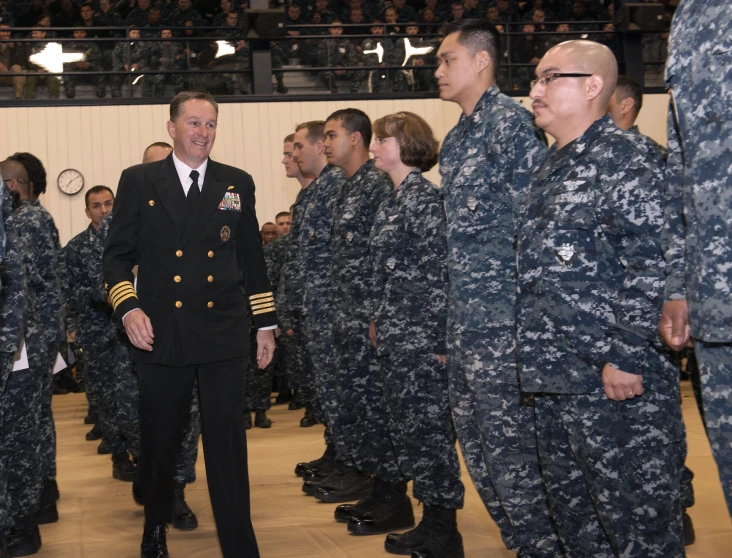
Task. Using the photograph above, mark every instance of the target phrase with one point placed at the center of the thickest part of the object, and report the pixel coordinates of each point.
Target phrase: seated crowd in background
(170, 35)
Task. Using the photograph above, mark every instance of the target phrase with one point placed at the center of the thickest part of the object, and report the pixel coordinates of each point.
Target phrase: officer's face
(386, 154)
(459, 69)
(194, 132)
(283, 225)
(338, 143)
(307, 155)
(291, 168)
(269, 233)
(99, 206)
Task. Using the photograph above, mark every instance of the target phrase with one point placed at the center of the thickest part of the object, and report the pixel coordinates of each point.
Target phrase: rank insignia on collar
(225, 233)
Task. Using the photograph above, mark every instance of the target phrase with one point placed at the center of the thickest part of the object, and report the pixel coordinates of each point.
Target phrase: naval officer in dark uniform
(189, 225)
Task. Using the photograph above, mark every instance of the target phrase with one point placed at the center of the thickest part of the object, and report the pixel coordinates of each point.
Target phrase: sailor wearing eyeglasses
(591, 275)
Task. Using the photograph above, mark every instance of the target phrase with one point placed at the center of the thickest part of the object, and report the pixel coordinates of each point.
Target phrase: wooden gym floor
(98, 518)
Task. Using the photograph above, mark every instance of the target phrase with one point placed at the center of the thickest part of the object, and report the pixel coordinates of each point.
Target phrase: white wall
(102, 141)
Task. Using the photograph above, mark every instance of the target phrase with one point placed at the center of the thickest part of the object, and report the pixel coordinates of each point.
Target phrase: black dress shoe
(24, 538)
(94, 434)
(261, 420)
(387, 516)
(183, 518)
(154, 543)
(350, 486)
(122, 468)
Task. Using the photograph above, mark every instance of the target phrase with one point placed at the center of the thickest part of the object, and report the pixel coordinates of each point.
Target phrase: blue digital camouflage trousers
(258, 385)
(362, 408)
(420, 426)
(44, 361)
(715, 365)
(612, 471)
(498, 439)
(6, 365)
(24, 392)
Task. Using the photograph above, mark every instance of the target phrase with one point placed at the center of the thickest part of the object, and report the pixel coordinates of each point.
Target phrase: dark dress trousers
(194, 267)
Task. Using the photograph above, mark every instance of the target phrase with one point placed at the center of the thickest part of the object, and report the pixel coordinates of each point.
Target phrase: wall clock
(70, 181)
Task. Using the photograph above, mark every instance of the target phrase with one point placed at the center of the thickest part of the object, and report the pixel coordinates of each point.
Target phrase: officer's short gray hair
(176, 105)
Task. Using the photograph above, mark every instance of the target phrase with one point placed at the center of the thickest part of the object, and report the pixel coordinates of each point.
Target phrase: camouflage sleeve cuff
(675, 288)
(627, 353)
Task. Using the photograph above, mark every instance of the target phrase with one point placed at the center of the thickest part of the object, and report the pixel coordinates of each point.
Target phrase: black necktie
(194, 192)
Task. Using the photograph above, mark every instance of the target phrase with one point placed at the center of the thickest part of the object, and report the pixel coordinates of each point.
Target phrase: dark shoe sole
(124, 477)
(306, 423)
(26, 550)
(340, 498)
(93, 436)
(396, 525)
(391, 549)
(88, 419)
(46, 518)
(103, 450)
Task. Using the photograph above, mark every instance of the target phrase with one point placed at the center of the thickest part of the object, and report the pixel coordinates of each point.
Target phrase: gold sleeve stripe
(121, 300)
(262, 295)
(120, 294)
(262, 300)
(119, 286)
(260, 306)
(269, 308)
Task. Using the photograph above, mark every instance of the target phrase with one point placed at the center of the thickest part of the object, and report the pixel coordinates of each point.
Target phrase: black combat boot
(381, 490)
(91, 418)
(284, 396)
(689, 534)
(390, 511)
(261, 420)
(103, 449)
(308, 418)
(94, 434)
(122, 467)
(406, 543)
(154, 544)
(47, 511)
(326, 461)
(248, 420)
(24, 538)
(183, 518)
(349, 486)
(50, 490)
(444, 540)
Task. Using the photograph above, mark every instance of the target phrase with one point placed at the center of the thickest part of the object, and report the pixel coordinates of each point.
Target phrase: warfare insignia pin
(225, 233)
(472, 203)
(349, 237)
(565, 253)
(391, 263)
(230, 188)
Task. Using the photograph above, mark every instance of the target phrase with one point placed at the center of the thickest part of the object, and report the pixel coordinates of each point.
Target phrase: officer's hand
(265, 347)
(442, 359)
(290, 333)
(674, 324)
(139, 330)
(372, 333)
(620, 385)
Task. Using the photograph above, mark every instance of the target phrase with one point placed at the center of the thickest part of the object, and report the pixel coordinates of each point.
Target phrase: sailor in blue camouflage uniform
(313, 269)
(106, 355)
(13, 297)
(591, 274)
(699, 249)
(25, 388)
(624, 107)
(363, 418)
(409, 263)
(45, 316)
(289, 314)
(485, 164)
